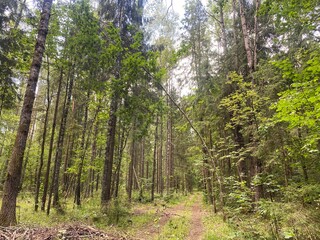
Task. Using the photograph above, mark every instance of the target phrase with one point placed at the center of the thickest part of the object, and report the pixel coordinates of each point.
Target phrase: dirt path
(162, 216)
(197, 228)
(153, 229)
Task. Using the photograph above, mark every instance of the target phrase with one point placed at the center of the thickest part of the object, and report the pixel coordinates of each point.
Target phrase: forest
(128, 119)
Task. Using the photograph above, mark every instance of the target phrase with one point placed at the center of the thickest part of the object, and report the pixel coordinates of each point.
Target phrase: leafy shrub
(239, 197)
(305, 194)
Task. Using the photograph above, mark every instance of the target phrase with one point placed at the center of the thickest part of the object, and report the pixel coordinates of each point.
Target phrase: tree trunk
(26, 160)
(241, 165)
(54, 123)
(83, 149)
(154, 159)
(110, 144)
(235, 35)
(131, 167)
(207, 179)
(44, 135)
(256, 35)
(246, 38)
(223, 29)
(56, 171)
(169, 148)
(122, 145)
(160, 156)
(92, 160)
(11, 186)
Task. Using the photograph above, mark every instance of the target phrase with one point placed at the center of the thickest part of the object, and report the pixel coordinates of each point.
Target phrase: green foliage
(243, 104)
(295, 21)
(239, 197)
(300, 104)
(305, 194)
(289, 220)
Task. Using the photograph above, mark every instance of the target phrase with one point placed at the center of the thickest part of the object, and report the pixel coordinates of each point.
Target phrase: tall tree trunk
(26, 160)
(142, 160)
(56, 170)
(160, 156)
(242, 164)
(44, 135)
(131, 166)
(92, 160)
(54, 123)
(169, 147)
(110, 144)
(68, 157)
(11, 186)
(83, 149)
(154, 166)
(122, 144)
(245, 34)
(235, 35)
(256, 34)
(223, 28)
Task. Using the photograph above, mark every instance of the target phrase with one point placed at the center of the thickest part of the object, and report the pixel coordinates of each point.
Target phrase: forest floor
(177, 217)
(183, 219)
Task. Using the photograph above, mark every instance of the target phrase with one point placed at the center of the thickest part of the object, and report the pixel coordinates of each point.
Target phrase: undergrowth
(119, 215)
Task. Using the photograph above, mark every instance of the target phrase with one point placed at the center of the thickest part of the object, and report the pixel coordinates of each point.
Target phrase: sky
(178, 5)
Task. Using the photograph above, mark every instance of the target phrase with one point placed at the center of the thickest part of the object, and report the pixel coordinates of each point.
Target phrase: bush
(304, 194)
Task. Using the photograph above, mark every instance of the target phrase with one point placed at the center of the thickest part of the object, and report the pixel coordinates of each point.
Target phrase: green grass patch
(217, 229)
(176, 228)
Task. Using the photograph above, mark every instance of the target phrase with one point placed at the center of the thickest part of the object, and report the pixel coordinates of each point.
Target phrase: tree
(11, 187)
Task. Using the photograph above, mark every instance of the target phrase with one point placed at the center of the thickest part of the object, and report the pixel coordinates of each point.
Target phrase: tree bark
(11, 186)
(131, 167)
(223, 28)
(26, 160)
(92, 160)
(54, 123)
(235, 34)
(44, 135)
(83, 149)
(118, 169)
(110, 144)
(246, 38)
(154, 166)
(256, 35)
(160, 156)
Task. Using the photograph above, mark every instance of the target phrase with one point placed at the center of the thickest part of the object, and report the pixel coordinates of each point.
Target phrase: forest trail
(196, 228)
(190, 209)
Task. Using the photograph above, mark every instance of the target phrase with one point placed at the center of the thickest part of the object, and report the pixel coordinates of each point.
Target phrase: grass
(273, 220)
(121, 217)
(176, 228)
(215, 227)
